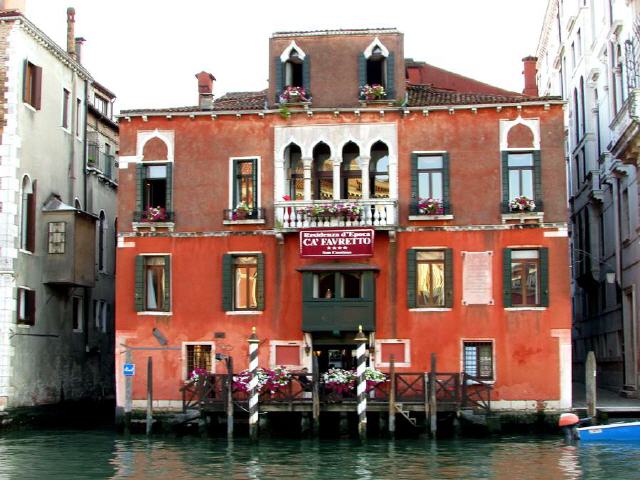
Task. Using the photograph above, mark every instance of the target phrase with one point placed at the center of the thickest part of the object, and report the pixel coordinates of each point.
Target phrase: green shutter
(306, 75)
(448, 278)
(411, 278)
(25, 71)
(169, 190)
(413, 204)
(362, 71)
(167, 284)
(505, 182)
(537, 180)
(227, 282)
(260, 281)
(254, 179)
(279, 71)
(544, 277)
(139, 187)
(445, 183)
(307, 286)
(235, 194)
(390, 87)
(506, 277)
(139, 284)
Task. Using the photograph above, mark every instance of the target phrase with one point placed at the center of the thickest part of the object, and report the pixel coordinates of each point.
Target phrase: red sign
(353, 242)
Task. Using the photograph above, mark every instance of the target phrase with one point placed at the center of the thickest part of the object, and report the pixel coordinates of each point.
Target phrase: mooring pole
(315, 393)
(361, 360)
(253, 385)
(229, 363)
(590, 384)
(128, 388)
(433, 406)
(149, 394)
(392, 396)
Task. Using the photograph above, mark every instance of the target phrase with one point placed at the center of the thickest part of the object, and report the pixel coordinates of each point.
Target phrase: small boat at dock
(614, 432)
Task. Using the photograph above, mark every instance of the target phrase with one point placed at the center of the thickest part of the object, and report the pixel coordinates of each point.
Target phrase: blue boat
(615, 432)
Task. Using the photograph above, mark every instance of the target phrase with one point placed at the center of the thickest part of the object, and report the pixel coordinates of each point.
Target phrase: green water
(89, 455)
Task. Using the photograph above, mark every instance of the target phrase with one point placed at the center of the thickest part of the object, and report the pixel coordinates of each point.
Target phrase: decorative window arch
(322, 172)
(27, 214)
(350, 172)
(294, 168)
(102, 230)
(376, 67)
(292, 69)
(379, 170)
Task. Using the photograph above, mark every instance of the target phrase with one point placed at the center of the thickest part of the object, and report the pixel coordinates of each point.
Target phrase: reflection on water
(95, 455)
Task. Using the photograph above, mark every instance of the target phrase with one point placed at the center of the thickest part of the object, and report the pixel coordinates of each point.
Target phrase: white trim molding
(184, 359)
(375, 43)
(564, 368)
(286, 53)
(167, 136)
(506, 125)
(393, 341)
(274, 344)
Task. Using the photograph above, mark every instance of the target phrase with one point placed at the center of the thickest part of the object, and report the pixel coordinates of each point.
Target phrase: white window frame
(394, 341)
(273, 346)
(493, 355)
(232, 179)
(185, 358)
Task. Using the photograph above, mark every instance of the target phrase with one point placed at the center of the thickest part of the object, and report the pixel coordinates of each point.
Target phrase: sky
(148, 51)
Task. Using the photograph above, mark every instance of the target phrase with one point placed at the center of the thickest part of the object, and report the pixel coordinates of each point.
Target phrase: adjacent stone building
(588, 53)
(57, 220)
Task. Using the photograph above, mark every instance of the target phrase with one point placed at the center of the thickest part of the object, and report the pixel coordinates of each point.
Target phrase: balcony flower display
(338, 380)
(292, 94)
(430, 206)
(271, 381)
(154, 214)
(350, 210)
(522, 204)
(197, 375)
(242, 211)
(374, 377)
(372, 92)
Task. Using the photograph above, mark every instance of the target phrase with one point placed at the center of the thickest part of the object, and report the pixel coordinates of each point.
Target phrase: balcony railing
(292, 215)
(233, 215)
(142, 217)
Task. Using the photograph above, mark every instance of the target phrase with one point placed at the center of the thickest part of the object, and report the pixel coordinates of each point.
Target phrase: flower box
(271, 381)
(430, 206)
(293, 94)
(154, 214)
(522, 204)
(372, 92)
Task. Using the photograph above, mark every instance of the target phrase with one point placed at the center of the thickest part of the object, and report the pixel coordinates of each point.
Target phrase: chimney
(78, 47)
(13, 5)
(71, 20)
(205, 90)
(530, 71)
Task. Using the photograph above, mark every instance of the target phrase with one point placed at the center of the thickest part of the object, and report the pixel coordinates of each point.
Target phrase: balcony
(255, 216)
(625, 130)
(381, 214)
(142, 223)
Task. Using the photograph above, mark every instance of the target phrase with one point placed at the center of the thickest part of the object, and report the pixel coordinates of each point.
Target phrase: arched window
(379, 171)
(376, 72)
(295, 172)
(350, 173)
(323, 172)
(102, 225)
(293, 70)
(28, 214)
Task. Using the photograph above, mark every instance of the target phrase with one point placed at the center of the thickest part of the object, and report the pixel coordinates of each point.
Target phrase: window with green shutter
(521, 181)
(429, 278)
(245, 187)
(526, 277)
(243, 282)
(154, 192)
(430, 184)
(153, 283)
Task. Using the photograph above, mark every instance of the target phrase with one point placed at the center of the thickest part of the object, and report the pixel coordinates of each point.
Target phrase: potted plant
(154, 214)
(430, 206)
(351, 211)
(338, 380)
(374, 377)
(197, 375)
(522, 204)
(271, 381)
(292, 94)
(241, 211)
(372, 92)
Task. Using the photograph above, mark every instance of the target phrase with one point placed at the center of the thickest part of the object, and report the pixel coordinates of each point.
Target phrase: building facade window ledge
(249, 221)
(524, 217)
(244, 312)
(154, 314)
(524, 309)
(388, 102)
(427, 218)
(295, 105)
(153, 226)
(430, 309)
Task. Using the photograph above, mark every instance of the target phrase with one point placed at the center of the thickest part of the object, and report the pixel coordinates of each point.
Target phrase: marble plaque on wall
(477, 278)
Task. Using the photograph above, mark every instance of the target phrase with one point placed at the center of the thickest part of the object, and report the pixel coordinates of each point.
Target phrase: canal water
(94, 455)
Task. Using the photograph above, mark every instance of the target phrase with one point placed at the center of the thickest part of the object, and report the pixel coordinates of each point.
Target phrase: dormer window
(292, 69)
(377, 76)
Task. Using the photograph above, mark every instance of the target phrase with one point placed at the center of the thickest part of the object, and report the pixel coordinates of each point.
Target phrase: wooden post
(590, 384)
(253, 385)
(433, 405)
(229, 398)
(128, 388)
(361, 386)
(315, 393)
(149, 394)
(392, 396)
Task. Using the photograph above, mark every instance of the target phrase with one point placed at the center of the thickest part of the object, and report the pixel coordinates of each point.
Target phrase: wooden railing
(452, 389)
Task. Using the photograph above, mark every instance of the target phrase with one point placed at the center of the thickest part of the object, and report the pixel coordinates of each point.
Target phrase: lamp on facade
(611, 277)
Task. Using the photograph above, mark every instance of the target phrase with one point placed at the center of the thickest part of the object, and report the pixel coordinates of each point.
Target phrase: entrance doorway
(335, 356)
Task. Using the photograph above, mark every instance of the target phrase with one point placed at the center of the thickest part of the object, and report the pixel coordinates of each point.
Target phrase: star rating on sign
(337, 248)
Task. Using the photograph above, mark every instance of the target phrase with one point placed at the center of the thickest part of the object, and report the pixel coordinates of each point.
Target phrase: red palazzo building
(359, 188)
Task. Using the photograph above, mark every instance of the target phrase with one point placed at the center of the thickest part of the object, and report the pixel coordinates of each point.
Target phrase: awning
(332, 267)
